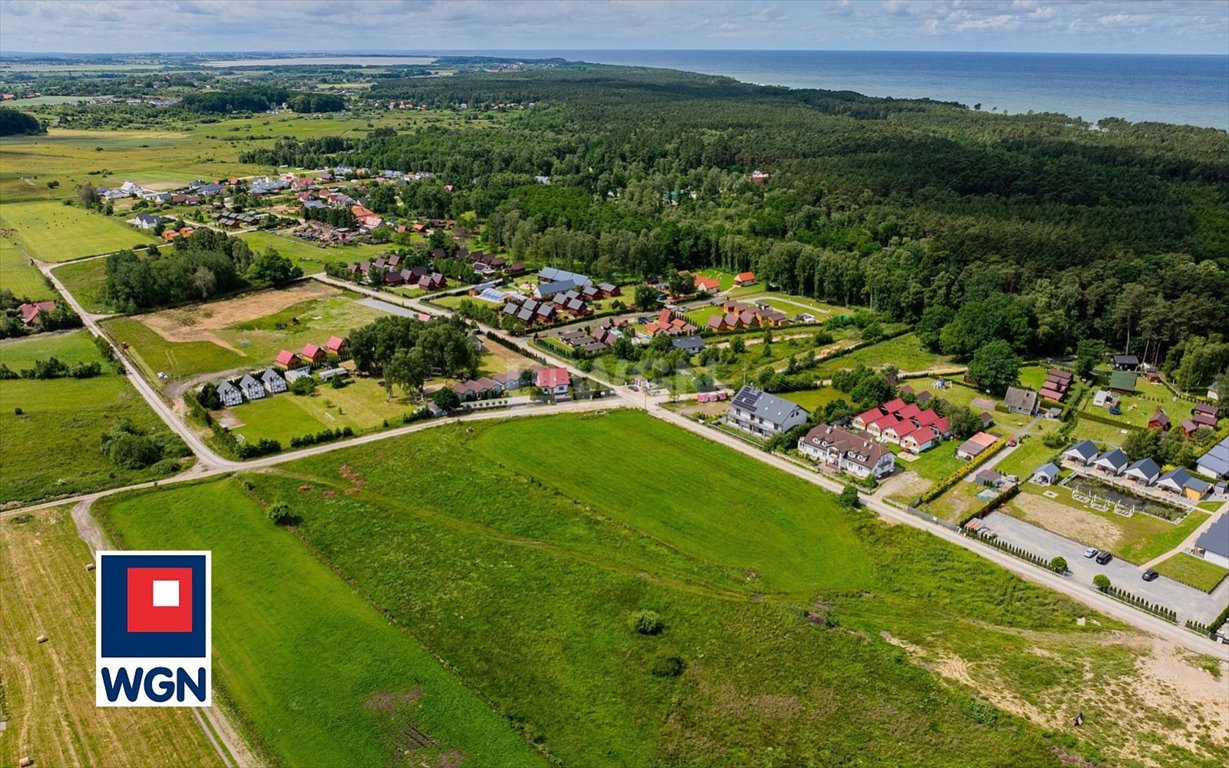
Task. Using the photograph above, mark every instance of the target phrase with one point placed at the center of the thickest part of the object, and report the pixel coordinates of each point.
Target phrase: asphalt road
(1189, 602)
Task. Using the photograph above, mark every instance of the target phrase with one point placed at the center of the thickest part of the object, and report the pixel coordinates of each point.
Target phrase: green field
(86, 281)
(52, 448)
(1030, 454)
(48, 698)
(179, 360)
(322, 677)
(19, 276)
(50, 231)
(309, 256)
(812, 399)
(361, 405)
(1192, 571)
(936, 464)
(905, 352)
(1139, 407)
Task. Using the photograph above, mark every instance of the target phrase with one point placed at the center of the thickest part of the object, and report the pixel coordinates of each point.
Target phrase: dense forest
(1040, 230)
(14, 123)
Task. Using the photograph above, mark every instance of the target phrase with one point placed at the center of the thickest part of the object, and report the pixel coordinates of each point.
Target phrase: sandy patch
(200, 321)
(500, 359)
(1065, 521)
(907, 486)
(1170, 681)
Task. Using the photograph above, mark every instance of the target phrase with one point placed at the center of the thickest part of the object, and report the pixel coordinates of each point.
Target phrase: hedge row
(1144, 605)
(960, 473)
(993, 504)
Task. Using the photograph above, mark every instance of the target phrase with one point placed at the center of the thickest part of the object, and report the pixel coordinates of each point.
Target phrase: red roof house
(286, 358)
(335, 345)
(314, 353)
(554, 380)
(707, 284)
(31, 311)
(744, 278)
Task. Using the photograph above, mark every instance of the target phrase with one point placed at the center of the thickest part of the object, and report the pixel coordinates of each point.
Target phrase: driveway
(1190, 603)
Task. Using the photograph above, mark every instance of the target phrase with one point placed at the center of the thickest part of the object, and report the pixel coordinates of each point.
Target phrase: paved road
(1189, 602)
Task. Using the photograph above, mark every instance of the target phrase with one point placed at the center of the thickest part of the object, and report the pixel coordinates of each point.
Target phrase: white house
(1113, 462)
(1213, 544)
(252, 388)
(1144, 472)
(755, 411)
(230, 394)
(273, 381)
(1083, 452)
(841, 449)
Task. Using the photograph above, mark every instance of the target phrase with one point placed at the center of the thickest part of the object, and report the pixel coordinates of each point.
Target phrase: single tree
(646, 298)
(995, 367)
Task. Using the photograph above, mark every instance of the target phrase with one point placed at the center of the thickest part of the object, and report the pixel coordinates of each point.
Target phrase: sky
(1085, 26)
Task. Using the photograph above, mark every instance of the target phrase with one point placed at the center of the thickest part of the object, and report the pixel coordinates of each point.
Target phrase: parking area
(1188, 602)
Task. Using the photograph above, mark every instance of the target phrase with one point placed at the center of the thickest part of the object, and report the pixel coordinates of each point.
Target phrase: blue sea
(1191, 90)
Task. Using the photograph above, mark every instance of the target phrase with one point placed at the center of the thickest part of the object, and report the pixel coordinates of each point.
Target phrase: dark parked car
(1104, 558)
(1150, 575)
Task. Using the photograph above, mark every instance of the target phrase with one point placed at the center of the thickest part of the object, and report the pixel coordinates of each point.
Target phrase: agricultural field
(905, 352)
(1192, 571)
(86, 280)
(51, 231)
(18, 275)
(48, 688)
(306, 254)
(520, 568)
(321, 676)
(1136, 539)
(242, 332)
(52, 447)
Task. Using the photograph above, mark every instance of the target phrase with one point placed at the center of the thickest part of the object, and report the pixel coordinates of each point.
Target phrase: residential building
(229, 394)
(1215, 463)
(844, 450)
(313, 354)
(252, 388)
(976, 445)
(1084, 452)
(744, 278)
(755, 411)
(30, 312)
(1113, 462)
(554, 381)
(691, 344)
(709, 285)
(1213, 544)
(1020, 400)
(1123, 381)
(336, 345)
(286, 358)
(1159, 420)
(1124, 362)
(1046, 474)
(273, 381)
(1144, 472)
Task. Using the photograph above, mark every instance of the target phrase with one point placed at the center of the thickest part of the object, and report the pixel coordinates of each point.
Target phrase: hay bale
(25, 762)
(89, 566)
(42, 639)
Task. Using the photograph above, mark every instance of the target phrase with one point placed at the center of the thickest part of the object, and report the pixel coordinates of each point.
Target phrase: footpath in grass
(48, 688)
(53, 446)
(320, 676)
(1192, 571)
(519, 550)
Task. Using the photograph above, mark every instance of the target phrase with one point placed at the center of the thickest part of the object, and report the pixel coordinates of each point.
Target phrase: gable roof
(1123, 380)
(550, 378)
(1086, 450)
(1146, 468)
(1049, 469)
(1216, 460)
(1115, 460)
(1021, 399)
(1216, 538)
(772, 409)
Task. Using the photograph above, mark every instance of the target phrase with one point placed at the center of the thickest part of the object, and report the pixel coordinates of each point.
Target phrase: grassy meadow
(1193, 571)
(321, 676)
(48, 689)
(905, 352)
(86, 280)
(309, 256)
(518, 551)
(18, 275)
(51, 231)
(52, 447)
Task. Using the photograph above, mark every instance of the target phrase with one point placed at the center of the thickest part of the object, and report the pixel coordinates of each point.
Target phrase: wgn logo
(153, 627)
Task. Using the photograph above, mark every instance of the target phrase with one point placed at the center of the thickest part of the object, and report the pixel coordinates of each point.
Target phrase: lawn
(1030, 454)
(1136, 539)
(48, 689)
(1104, 435)
(321, 676)
(936, 464)
(811, 399)
(50, 231)
(86, 281)
(307, 254)
(1192, 571)
(1139, 407)
(905, 352)
(52, 448)
(360, 405)
(19, 276)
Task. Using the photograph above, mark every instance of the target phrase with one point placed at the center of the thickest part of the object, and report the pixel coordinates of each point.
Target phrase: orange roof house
(707, 284)
(744, 278)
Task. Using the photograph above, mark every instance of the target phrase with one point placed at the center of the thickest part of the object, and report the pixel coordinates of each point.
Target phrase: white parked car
(1091, 552)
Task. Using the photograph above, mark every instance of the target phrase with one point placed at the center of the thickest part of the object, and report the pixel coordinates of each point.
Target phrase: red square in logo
(159, 599)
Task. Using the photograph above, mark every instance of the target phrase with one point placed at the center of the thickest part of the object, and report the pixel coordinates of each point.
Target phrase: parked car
(1104, 558)
(1150, 575)
(1091, 552)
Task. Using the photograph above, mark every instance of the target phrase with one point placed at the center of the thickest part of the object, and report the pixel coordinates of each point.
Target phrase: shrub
(849, 498)
(646, 623)
(280, 514)
(980, 711)
(17, 411)
(165, 467)
(303, 385)
(1059, 565)
(1101, 581)
(668, 666)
